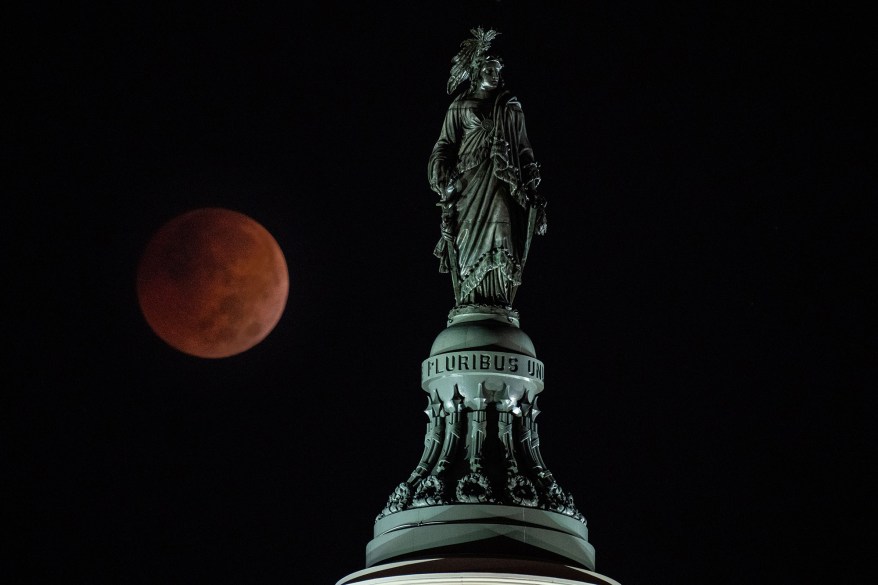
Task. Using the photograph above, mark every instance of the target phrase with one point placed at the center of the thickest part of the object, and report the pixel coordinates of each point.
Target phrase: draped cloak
(484, 150)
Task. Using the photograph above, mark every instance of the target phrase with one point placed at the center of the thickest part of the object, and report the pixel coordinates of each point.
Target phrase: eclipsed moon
(212, 283)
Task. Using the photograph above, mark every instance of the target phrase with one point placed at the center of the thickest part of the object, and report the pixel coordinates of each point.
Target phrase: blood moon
(212, 282)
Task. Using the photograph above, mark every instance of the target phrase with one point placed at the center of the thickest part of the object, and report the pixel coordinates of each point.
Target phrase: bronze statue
(484, 171)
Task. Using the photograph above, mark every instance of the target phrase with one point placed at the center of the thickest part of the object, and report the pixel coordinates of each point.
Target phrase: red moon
(212, 283)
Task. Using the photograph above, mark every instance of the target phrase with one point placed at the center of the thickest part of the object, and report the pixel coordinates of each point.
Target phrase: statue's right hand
(440, 179)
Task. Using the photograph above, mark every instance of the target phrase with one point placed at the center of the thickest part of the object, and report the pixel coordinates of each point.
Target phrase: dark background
(698, 300)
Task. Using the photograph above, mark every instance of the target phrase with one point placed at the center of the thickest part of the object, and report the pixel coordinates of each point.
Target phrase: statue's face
(489, 75)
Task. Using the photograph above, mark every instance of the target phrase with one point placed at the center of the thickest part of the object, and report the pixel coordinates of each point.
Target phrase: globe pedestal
(481, 487)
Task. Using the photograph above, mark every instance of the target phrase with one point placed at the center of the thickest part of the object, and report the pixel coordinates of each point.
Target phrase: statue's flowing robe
(483, 148)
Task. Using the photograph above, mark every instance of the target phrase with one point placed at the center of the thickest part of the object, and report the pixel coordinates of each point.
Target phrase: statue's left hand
(542, 220)
(542, 224)
(535, 199)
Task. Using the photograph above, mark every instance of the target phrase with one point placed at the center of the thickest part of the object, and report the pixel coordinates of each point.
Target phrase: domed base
(476, 328)
(476, 570)
(462, 313)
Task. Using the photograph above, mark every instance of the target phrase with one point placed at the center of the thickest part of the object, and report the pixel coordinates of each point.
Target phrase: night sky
(698, 300)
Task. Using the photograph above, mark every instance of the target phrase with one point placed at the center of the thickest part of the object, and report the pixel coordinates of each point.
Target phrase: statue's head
(486, 73)
(470, 60)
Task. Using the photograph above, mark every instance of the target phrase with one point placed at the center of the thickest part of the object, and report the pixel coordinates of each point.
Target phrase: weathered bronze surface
(484, 171)
(481, 482)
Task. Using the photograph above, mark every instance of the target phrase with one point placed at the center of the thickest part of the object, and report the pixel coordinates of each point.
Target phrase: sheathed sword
(447, 227)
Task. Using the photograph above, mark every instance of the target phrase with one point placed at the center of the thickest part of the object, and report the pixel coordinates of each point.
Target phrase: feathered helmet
(472, 54)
